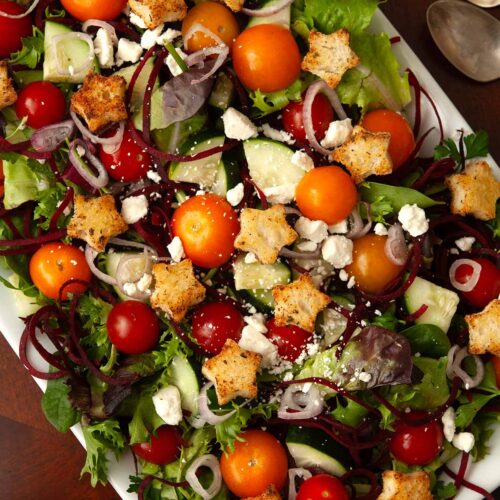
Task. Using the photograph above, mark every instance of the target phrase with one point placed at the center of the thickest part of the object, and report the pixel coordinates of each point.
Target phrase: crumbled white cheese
(237, 125)
(338, 132)
(149, 37)
(103, 47)
(167, 403)
(134, 208)
(168, 36)
(343, 275)
(337, 250)
(153, 176)
(302, 160)
(380, 229)
(413, 220)
(128, 51)
(365, 377)
(250, 258)
(312, 230)
(138, 21)
(277, 135)
(341, 227)
(175, 249)
(307, 246)
(465, 243)
(235, 195)
(130, 289)
(172, 65)
(257, 321)
(351, 282)
(448, 420)
(280, 194)
(254, 341)
(145, 282)
(464, 441)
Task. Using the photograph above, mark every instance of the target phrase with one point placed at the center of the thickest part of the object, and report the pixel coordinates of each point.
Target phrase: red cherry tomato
(13, 30)
(128, 163)
(419, 444)
(322, 487)
(321, 112)
(133, 327)
(163, 448)
(215, 322)
(488, 286)
(290, 340)
(42, 103)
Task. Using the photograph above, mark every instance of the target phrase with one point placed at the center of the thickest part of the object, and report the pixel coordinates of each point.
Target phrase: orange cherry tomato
(54, 264)
(207, 226)
(217, 18)
(402, 141)
(266, 57)
(371, 267)
(254, 464)
(327, 194)
(94, 9)
(495, 360)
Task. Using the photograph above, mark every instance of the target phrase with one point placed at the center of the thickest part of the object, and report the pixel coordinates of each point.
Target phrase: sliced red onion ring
(456, 355)
(292, 475)
(291, 254)
(49, 138)
(395, 245)
(309, 405)
(374, 80)
(473, 279)
(133, 244)
(111, 141)
(267, 11)
(293, 211)
(90, 255)
(205, 413)
(358, 229)
(222, 52)
(101, 24)
(24, 14)
(98, 181)
(212, 463)
(198, 28)
(62, 37)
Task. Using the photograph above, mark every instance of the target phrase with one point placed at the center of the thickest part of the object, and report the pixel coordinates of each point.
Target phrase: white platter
(484, 473)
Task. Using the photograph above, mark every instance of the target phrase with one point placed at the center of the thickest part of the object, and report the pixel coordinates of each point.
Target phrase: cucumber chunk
(228, 173)
(133, 270)
(222, 93)
(262, 300)
(259, 276)
(183, 376)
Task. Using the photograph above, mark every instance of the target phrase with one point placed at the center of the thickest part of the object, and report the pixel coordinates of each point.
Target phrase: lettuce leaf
(31, 51)
(269, 102)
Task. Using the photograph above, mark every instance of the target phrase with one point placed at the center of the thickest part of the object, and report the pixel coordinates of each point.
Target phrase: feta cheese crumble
(464, 441)
(235, 195)
(168, 36)
(254, 341)
(338, 132)
(312, 230)
(339, 228)
(302, 160)
(448, 420)
(135, 19)
(280, 194)
(250, 258)
(237, 125)
(380, 229)
(172, 65)
(337, 250)
(257, 321)
(149, 37)
(134, 208)
(307, 246)
(413, 220)
(128, 51)
(465, 243)
(145, 282)
(167, 403)
(153, 176)
(277, 135)
(175, 249)
(103, 47)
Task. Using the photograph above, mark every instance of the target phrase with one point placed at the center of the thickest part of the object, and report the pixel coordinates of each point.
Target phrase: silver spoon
(468, 37)
(487, 4)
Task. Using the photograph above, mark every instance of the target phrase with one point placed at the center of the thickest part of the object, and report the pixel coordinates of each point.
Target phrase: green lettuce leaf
(31, 51)
(57, 406)
(145, 419)
(266, 103)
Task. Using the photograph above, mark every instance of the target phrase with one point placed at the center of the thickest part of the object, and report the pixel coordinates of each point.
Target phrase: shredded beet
(449, 219)
(124, 28)
(469, 485)
(421, 310)
(464, 462)
(247, 181)
(395, 39)
(240, 91)
(185, 338)
(45, 238)
(375, 488)
(437, 170)
(67, 200)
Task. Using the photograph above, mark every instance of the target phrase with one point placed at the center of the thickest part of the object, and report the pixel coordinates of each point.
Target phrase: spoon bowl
(468, 37)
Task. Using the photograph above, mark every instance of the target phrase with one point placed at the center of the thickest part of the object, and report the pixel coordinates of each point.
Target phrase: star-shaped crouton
(475, 191)
(484, 330)
(156, 12)
(234, 5)
(270, 493)
(298, 303)
(264, 232)
(330, 56)
(233, 372)
(101, 100)
(365, 153)
(96, 220)
(176, 289)
(8, 94)
(400, 486)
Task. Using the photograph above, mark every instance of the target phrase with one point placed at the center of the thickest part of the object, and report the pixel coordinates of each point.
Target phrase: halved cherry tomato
(495, 360)
(215, 17)
(53, 264)
(417, 444)
(402, 141)
(266, 57)
(207, 226)
(42, 103)
(327, 194)
(290, 340)
(94, 9)
(13, 30)
(215, 322)
(163, 448)
(322, 487)
(254, 464)
(371, 267)
(321, 112)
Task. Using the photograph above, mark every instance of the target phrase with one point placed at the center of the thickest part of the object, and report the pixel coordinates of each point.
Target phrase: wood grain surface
(36, 462)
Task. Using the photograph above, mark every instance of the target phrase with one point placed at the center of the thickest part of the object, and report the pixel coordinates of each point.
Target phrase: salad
(217, 216)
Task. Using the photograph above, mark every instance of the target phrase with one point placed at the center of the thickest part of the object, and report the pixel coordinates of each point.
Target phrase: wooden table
(35, 460)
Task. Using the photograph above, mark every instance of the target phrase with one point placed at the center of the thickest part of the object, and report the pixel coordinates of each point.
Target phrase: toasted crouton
(234, 5)
(270, 493)
(365, 153)
(233, 372)
(399, 486)
(329, 56)
(101, 100)
(475, 191)
(176, 289)
(96, 220)
(264, 232)
(8, 94)
(156, 12)
(484, 330)
(298, 303)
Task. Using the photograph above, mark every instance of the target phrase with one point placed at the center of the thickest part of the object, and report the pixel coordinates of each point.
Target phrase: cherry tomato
(266, 57)
(495, 360)
(290, 340)
(128, 163)
(42, 103)
(133, 327)
(402, 141)
(94, 9)
(488, 285)
(371, 267)
(217, 18)
(327, 194)
(215, 322)
(419, 444)
(163, 448)
(254, 464)
(13, 30)
(321, 112)
(53, 264)
(207, 226)
(322, 487)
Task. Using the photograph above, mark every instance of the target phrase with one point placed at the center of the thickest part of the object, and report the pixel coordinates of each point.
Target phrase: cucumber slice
(282, 17)
(262, 300)
(71, 52)
(183, 376)
(441, 303)
(222, 93)
(133, 270)
(25, 306)
(259, 276)
(168, 139)
(228, 173)
(24, 77)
